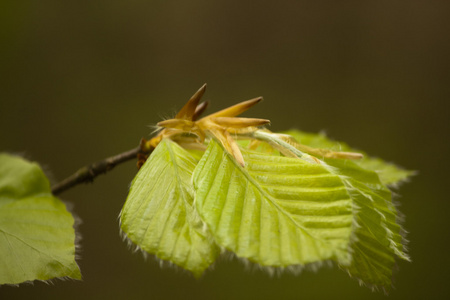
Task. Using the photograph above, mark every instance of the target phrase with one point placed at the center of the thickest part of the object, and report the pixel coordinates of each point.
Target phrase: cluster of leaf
(280, 201)
(276, 211)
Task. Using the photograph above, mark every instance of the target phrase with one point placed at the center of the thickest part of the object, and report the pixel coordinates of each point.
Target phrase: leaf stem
(88, 173)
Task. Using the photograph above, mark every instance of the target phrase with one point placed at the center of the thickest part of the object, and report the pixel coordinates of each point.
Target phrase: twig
(88, 173)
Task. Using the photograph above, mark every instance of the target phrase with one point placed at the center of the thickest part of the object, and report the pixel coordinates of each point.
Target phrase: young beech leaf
(281, 211)
(389, 173)
(277, 211)
(36, 231)
(379, 237)
(158, 215)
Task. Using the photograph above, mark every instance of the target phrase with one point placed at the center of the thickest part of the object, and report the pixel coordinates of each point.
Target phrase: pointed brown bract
(246, 130)
(229, 144)
(345, 155)
(219, 124)
(235, 151)
(326, 153)
(188, 110)
(176, 124)
(223, 125)
(239, 122)
(237, 109)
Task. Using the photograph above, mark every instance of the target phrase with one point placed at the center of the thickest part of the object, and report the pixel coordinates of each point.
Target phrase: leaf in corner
(158, 215)
(36, 231)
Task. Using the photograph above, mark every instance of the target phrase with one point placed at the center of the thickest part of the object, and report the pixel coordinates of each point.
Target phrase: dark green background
(82, 80)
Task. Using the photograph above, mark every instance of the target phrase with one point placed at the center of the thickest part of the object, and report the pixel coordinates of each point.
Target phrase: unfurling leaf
(159, 216)
(36, 231)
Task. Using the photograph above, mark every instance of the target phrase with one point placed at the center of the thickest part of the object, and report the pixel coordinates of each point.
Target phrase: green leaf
(36, 231)
(158, 215)
(389, 173)
(277, 212)
(379, 237)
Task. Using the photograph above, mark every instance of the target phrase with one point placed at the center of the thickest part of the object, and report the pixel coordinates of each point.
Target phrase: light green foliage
(389, 173)
(276, 211)
(36, 231)
(378, 235)
(159, 216)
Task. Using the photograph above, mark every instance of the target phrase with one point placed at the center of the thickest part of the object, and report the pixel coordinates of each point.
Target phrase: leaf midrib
(31, 246)
(268, 196)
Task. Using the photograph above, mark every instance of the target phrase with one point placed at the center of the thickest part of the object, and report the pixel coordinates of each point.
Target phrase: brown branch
(88, 173)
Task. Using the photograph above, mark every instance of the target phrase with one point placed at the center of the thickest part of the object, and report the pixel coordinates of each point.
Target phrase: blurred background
(83, 80)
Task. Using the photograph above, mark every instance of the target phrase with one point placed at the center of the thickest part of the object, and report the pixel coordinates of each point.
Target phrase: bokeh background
(83, 80)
